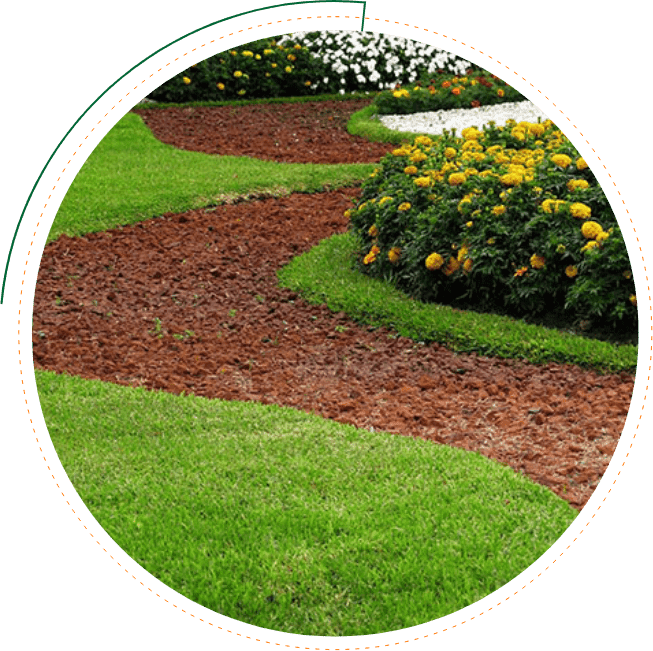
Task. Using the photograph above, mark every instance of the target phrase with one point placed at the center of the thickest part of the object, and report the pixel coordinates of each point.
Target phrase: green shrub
(445, 93)
(261, 69)
(508, 219)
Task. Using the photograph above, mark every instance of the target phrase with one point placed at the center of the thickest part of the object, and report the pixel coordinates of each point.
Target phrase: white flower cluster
(365, 61)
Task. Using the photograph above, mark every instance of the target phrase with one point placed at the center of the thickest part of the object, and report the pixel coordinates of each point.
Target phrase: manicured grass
(292, 522)
(269, 515)
(364, 124)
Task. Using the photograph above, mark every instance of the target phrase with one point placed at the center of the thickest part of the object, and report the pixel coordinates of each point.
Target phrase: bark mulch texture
(311, 132)
(208, 277)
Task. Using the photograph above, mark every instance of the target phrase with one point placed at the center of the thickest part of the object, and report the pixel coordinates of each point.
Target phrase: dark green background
(59, 589)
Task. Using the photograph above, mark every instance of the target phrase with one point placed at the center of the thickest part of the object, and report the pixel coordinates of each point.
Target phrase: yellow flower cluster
(371, 256)
(394, 254)
(404, 206)
(580, 210)
(537, 261)
(434, 261)
(577, 184)
(571, 271)
(591, 230)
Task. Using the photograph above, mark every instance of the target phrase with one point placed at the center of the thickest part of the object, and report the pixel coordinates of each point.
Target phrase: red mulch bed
(212, 272)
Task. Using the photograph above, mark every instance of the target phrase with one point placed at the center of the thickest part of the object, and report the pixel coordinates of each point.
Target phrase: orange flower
(521, 271)
(446, 84)
(456, 90)
(500, 92)
(476, 103)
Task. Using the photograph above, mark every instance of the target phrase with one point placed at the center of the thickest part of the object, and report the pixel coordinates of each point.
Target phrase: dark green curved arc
(251, 11)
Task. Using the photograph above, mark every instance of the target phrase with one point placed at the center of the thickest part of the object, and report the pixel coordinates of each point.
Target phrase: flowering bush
(445, 93)
(365, 61)
(261, 69)
(308, 63)
(508, 219)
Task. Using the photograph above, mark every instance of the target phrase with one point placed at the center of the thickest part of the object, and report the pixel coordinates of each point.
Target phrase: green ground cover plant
(269, 515)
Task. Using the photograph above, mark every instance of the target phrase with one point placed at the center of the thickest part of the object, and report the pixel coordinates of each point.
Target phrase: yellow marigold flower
(238, 73)
(375, 250)
(500, 92)
(471, 133)
(561, 160)
(404, 206)
(450, 152)
(627, 275)
(268, 51)
(491, 241)
(519, 133)
(457, 178)
(561, 248)
(401, 93)
(512, 179)
(384, 200)
(633, 299)
(258, 57)
(535, 128)
(307, 83)
(418, 157)
(220, 86)
(297, 46)
(291, 57)
(537, 261)
(422, 181)
(369, 258)
(434, 261)
(462, 253)
(423, 140)
(394, 254)
(186, 80)
(581, 164)
(400, 151)
(467, 265)
(373, 230)
(592, 244)
(274, 65)
(571, 271)
(498, 210)
(471, 171)
(537, 190)
(288, 68)
(247, 53)
(411, 169)
(551, 205)
(242, 92)
(580, 210)
(602, 236)
(521, 271)
(472, 145)
(469, 224)
(452, 266)
(576, 184)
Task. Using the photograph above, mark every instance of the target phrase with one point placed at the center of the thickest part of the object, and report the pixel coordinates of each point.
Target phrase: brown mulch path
(310, 132)
(212, 272)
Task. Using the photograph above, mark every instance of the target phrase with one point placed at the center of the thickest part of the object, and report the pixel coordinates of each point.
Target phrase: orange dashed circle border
(379, 646)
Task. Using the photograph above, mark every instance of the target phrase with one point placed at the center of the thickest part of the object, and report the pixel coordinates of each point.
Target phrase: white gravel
(436, 121)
